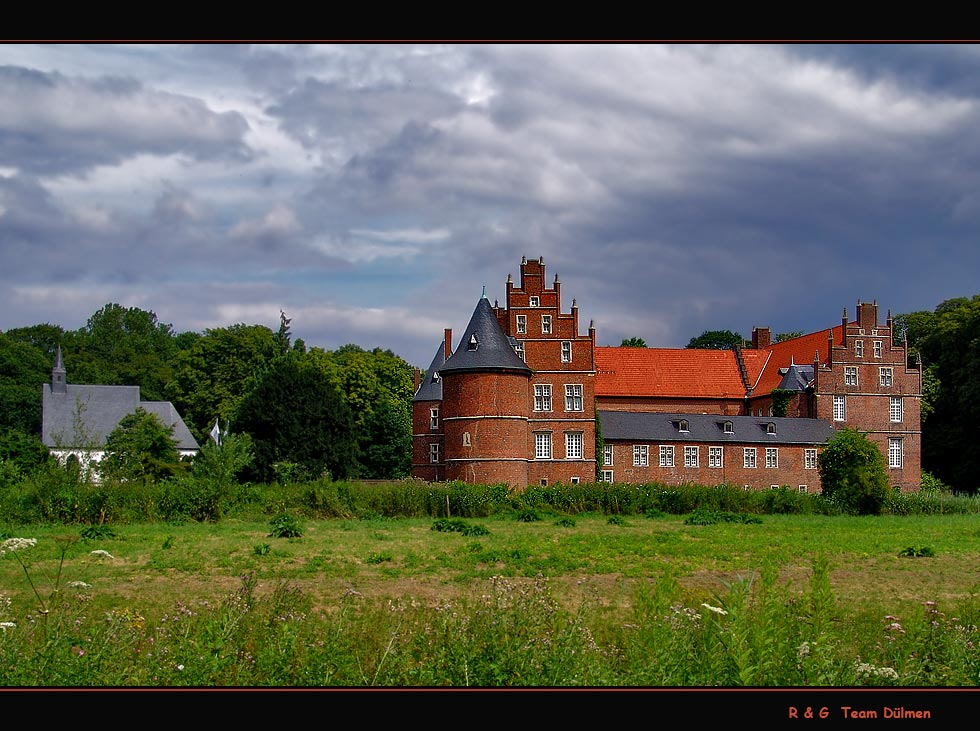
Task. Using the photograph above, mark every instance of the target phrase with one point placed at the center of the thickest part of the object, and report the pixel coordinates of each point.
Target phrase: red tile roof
(796, 350)
(667, 372)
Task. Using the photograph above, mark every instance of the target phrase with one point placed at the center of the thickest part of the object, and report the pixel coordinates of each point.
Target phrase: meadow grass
(492, 601)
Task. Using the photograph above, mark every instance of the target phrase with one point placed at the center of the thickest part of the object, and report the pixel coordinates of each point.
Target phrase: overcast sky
(372, 191)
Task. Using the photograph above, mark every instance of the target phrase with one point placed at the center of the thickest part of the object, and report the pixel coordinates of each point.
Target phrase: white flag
(216, 433)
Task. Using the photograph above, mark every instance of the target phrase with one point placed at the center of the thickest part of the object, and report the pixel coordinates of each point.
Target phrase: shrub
(852, 473)
(95, 532)
(916, 551)
(528, 516)
(285, 526)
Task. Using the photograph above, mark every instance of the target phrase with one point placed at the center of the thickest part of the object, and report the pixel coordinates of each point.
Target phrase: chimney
(867, 314)
(449, 343)
(761, 337)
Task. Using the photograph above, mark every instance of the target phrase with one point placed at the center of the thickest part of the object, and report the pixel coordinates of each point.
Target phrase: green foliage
(780, 401)
(932, 484)
(780, 337)
(380, 557)
(285, 526)
(23, 368)
(853, 474)
(716, 340)
(528, 516)
(141, 446)
(615, 520)
(21, 451)
(262, 549)
(97, 532)
(456, 525)
(917, 551)
(633, 343)
(704, 516)
(565, 522)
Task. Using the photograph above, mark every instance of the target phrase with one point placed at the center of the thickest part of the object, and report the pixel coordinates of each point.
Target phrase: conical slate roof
(431, 387)
(484, 345)
(797, 377)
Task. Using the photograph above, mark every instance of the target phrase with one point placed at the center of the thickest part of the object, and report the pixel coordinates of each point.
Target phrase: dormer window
(474, 343)
(682, 425)
(534, 302)
(435, 377)
(770, 428)
(728, 427)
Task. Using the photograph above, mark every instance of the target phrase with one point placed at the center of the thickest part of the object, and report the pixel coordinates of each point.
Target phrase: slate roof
(484, 346)
(431, 387)
(797, 378)
(670, 372)
(96, 411)
(652, 427)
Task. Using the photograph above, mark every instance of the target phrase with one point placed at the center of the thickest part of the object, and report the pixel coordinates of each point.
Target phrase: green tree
(23, 368)
(221, 463)
(780, 337)
(633, 343)
(295, 413)
(853, 474)
(716, 340)
(140, 447)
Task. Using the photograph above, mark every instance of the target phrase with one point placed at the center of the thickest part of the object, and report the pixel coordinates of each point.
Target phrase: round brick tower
(485, 397)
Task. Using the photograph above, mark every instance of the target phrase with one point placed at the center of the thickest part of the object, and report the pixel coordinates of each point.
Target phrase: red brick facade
(497, 422)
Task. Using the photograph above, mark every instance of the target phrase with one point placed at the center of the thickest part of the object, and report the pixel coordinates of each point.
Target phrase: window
(466, 439)
(850, 375)
(858, 348)
(573, 445)
(542, 445)
(534, 302)
(809, 459)
(573, 397)
(691, 456)
(895, 410)
(573, 480)
(566, 351)
(715, 457)
(683, 425)
(519, 349)
(434, 418)
(772, 458)
(803, 488)
(748, 457)
(522, 323)
(840, 410)
(729, 428)
(774, 487)
(546, 324)
(641, 455)
(542, 397)
(607, 476)
(877, 348)
(544, 482)
(895, 452)
(433, 452)
(607, 454)
(666, 455)
(885, 377)
(770, 427)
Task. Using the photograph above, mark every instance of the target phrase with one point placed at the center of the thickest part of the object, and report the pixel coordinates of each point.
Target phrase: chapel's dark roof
(431, 387)
(654, 427)
(797, 378)
(484, 346)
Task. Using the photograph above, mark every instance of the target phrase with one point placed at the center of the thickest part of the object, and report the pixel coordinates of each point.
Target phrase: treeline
(346, 413)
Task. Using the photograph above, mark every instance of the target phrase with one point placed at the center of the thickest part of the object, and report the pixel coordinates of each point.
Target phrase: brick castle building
(519, 400)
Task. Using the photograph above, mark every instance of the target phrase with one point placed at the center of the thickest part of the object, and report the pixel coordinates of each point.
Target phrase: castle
(520, 399)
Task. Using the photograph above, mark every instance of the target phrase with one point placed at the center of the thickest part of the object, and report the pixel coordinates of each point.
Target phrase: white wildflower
(8, 625)
(12, 545)
(99, 553)
(79, 585)
(803, 651)
(716, 610)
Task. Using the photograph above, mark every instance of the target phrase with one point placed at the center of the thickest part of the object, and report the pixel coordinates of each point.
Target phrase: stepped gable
(431, 387)
(484, 346)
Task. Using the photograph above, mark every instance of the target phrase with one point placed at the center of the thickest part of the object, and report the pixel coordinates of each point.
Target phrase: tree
(780, 337)
(295, 413)
(221, 463)
(716, 340)
(853, 474)
(633, 343)
(141, 446)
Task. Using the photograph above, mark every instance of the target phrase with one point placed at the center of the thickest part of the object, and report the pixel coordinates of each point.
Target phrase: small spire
(484, 291)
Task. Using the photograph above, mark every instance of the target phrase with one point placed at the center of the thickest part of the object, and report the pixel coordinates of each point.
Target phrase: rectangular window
(522, 323)
(715, 457)
(641, 455)
(573, 445)
(748, 457)
(802, 488)
(858, 348)
(877, 348)
(566, 351)
(691, 456)
(519, 349)
(895, 410)
(809, 459)
(607, 476)
(895, 452)
(666, 455)
(573, 480)
(885, 377)
(542, 445)
(607, 455)
(840, 408)
(573, 397)
(534, 301)
(546, 324)
(542, 397)
(433, 453)
(434, 418)
(772, 457)
(850, 375)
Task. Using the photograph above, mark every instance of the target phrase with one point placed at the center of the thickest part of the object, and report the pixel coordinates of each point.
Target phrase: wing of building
(519, 399)
(76, 419)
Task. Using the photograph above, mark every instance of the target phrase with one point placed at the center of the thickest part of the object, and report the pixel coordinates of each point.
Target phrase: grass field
(591, 600)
